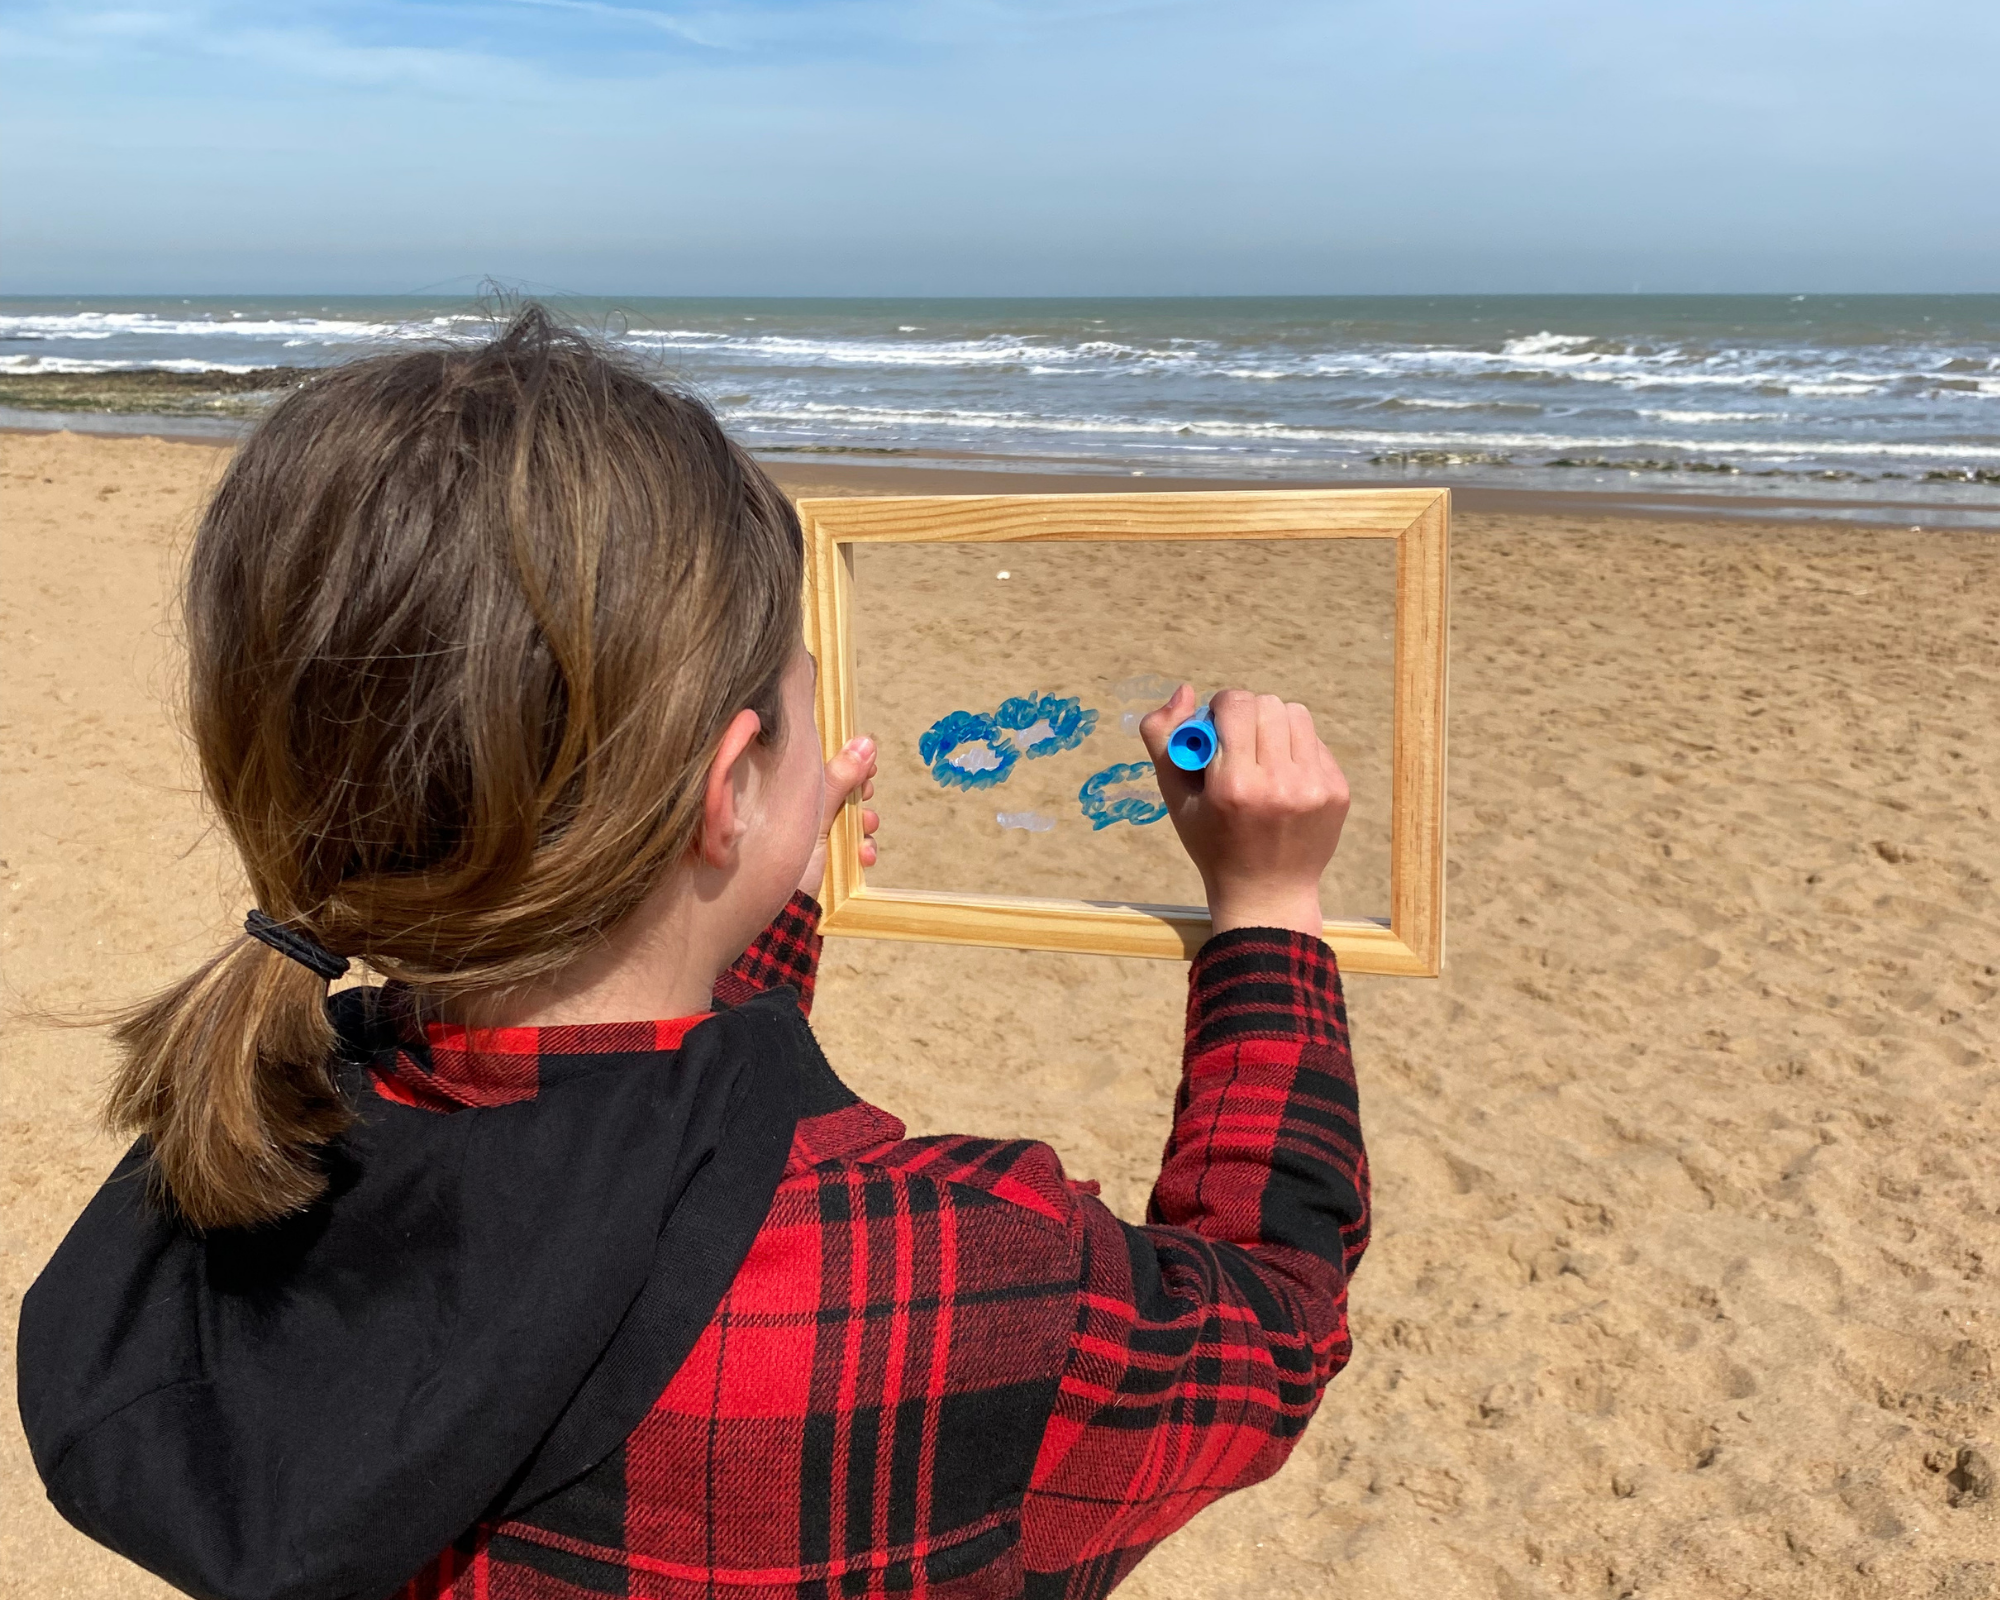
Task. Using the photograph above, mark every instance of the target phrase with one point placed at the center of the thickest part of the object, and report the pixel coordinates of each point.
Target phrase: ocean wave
(1800, 370)
(1714, 416)
(1539, 359)
(825, 414)
(1397, 402)
(1040, 353)
(289, 330)
(986, 352)
(1545, 344)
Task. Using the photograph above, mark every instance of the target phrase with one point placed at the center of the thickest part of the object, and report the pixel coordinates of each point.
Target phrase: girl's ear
(722, 819)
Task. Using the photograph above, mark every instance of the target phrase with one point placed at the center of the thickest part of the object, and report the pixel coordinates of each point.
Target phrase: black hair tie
(306, 951)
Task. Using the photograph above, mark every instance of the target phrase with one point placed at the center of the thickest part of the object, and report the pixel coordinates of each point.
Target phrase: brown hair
(465, 627)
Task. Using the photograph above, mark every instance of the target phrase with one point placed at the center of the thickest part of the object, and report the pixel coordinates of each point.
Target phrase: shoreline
(927, 475)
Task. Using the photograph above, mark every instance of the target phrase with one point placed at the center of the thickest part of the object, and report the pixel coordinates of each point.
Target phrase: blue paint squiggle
(1133, 808)
(1059, 724)
(967, 750)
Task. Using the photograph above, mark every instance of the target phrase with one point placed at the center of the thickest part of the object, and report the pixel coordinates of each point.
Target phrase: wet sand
(1687, 1204)
(218, 408)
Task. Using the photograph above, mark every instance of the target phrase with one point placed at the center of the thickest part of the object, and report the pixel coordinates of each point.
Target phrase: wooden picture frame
(1408, 943)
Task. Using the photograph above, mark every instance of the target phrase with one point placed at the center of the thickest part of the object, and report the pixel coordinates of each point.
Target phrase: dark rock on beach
(1439, 458)
(150, 392)
(1644, 464)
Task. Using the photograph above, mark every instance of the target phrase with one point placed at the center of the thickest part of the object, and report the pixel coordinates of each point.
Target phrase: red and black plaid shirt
(944, 1368)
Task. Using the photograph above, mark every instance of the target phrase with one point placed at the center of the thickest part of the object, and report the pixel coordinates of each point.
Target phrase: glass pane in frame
(1005, 683)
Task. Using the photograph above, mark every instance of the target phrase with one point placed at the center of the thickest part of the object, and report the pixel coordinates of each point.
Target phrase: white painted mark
(1151, 687)
(973, 758)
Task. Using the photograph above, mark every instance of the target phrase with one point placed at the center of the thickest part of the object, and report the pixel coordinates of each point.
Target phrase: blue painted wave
(968, 750)
(977, 750)
(1104, 807)
(1046, 725)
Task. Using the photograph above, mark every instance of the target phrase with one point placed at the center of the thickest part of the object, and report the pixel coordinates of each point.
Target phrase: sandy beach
(1688, 1215)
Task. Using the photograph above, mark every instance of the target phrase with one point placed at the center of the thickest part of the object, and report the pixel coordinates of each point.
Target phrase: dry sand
(1688, 1212)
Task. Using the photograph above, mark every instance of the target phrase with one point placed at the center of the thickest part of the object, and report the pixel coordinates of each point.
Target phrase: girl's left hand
(851, 771)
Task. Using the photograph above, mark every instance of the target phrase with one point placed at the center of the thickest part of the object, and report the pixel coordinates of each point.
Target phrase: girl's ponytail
(227, 1074)
(464, 628)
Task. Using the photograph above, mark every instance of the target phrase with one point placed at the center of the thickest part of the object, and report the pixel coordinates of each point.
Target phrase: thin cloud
(638, 15)
(265, 55)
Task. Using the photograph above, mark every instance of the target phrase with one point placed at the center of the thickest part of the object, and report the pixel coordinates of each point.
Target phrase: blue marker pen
(1193, 744)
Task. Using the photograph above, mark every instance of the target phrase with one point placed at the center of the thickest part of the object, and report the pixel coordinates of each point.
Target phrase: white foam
(1544, 343)
(291, 330)
(992, 350)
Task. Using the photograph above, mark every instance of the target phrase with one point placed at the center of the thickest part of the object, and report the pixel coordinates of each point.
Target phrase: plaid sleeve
(784, 956)
(1205, 1338)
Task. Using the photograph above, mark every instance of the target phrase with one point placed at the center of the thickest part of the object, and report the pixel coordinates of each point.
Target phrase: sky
(998, 147)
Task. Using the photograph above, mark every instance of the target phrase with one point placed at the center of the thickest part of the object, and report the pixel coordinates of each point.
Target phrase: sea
(1870, 407)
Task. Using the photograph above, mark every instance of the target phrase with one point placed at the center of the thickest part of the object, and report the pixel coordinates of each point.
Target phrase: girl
(562, 1263)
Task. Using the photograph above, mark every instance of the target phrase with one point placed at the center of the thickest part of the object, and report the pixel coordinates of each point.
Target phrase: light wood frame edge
(1418, 520)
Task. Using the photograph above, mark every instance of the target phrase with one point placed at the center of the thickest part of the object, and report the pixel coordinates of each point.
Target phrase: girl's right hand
(1263, 820)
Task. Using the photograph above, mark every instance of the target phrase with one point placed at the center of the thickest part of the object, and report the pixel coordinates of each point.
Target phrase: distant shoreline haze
(1863, 399)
